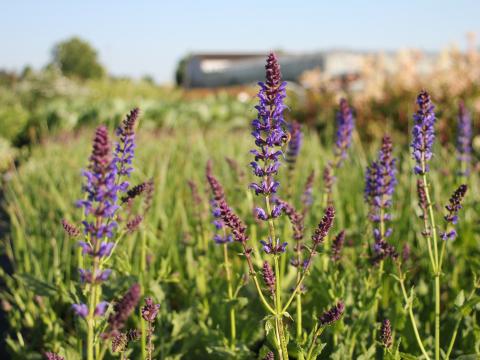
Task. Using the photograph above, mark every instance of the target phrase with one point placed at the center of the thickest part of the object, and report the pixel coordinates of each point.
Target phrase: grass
(188, 280)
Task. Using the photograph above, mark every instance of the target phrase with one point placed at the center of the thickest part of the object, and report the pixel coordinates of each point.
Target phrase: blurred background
(65, 65)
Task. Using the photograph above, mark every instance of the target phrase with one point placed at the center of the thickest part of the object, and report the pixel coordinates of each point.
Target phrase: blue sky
(149, 37)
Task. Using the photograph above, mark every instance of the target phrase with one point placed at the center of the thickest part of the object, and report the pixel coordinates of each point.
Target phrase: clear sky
(149, 37)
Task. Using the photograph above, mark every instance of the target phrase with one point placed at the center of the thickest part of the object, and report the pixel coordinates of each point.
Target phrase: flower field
(155, 236)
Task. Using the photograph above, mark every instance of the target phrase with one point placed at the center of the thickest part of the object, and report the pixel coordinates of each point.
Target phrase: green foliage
(77, 58)
(189, 281)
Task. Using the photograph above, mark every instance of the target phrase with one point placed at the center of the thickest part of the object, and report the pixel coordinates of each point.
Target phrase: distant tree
(148, 79)
(181, 70)
(77, 58)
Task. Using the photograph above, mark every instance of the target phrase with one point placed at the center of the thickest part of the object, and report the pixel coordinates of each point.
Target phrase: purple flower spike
(294, 144)
(269, 129)
(386, 334)
(124, 149)
(380, 184)
(123, 308)
(337, 246)
(332, 315)
(80, 309)
(268, 276)
(423, 133)
(464, 138)
(226, 214)
(100, 188)
(324, 226)
(453, 207)
(345, 123)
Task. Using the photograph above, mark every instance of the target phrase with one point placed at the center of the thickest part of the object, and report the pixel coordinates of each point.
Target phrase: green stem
(457, 324)
(410, 311)
(143, 267)
(318, 332)
(437, 316)
(299, 316)
(233, 329)
(380, 272)
(279, 312)
(149, 340)
(436, 268)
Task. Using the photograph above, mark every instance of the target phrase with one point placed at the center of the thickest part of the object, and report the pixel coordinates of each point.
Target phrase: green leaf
(460, 299)
(39, 287)
(407, 356)
(317, 349)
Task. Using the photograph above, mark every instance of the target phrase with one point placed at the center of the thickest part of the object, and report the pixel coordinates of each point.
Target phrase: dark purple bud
(119, 343)
(217, 189)
(136, 191)
(124, 308)
(337, 246)
(324, 226)
(406, 252)
(70, 229)
(197, 199)
(270, 356)
(332, 315)
(455, 204)
(52, 356)
(386, 334)
(133, 224)
(125, 148)
(150, 310)
(422, 196)
(268, 277)
(296, 218)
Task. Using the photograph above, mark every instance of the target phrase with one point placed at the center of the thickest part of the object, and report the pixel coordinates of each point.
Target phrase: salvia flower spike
(464, 138)
(123, 309)
(268, 277)
(379, 188)
(386, 334)
(149, 314)
(332, 315)
(269, 131)
(100, 188)
(345, 126)
(423, 133)
(453, 207)
(337, 246)
(125, 148)
(294, 144)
